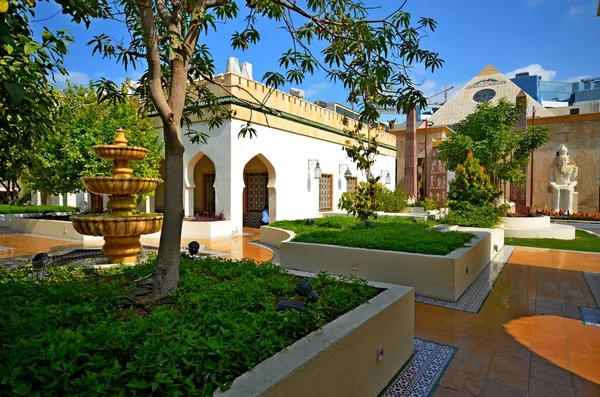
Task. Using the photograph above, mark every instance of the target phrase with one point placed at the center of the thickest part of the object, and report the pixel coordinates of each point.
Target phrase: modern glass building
(558, 91)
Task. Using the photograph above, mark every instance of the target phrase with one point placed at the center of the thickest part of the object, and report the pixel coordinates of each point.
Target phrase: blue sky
(554, 38)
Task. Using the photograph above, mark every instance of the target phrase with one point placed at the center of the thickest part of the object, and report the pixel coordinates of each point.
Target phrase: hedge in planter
(71, 335)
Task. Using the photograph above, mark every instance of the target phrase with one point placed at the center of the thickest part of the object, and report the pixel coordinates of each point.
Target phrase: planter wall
(536, 227)
(340, 360)
(274, 236)
(6, 218)
(65, 230)
(205, 230)
(438, 276)
(49, 228)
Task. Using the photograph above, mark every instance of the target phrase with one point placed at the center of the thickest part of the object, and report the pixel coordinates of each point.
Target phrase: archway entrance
(204, 191)
(259, 191)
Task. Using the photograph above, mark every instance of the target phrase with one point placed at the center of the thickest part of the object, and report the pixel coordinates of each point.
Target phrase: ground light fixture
(304, 288)
(318, 172)
(193, 248)
(40, 261)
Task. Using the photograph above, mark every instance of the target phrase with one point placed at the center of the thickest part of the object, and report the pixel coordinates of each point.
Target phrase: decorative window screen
(351, 184)
(209, 192)
(326, 192)
(257, 193)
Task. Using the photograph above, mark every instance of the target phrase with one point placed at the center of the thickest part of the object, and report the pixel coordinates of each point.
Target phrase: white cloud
(534, 69)
(575, 11)
(577, 79)
(316, 89)
(73, 77)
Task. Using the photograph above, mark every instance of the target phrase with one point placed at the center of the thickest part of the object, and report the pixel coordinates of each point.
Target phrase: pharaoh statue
(562, 178)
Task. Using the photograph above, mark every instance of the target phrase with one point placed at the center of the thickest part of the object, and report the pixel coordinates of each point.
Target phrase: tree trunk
(167, 268)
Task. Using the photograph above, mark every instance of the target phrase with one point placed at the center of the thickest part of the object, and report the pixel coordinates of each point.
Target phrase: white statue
(247, 70)
(562, 178)
(233, 66)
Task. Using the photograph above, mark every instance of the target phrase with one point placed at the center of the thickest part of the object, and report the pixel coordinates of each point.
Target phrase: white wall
(296, 189)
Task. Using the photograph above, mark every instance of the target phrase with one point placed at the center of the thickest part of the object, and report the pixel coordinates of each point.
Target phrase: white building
(239, 176)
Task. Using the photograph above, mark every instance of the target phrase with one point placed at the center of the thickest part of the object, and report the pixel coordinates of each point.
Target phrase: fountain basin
(117, 226)
(119, 186)
(114, 152)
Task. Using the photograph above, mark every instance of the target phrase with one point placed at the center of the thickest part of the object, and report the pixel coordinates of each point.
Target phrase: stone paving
(233, 247)
(528, 339)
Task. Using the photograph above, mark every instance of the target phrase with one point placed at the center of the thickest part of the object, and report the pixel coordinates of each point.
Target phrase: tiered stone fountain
(121, 228)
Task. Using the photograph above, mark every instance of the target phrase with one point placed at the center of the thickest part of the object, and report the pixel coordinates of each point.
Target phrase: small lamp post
(318, 172)
(387, 177)
(347, 174)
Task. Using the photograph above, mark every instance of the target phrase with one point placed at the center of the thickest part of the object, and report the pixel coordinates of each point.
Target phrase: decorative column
(410, 155)
(518, 194)
(188, 200)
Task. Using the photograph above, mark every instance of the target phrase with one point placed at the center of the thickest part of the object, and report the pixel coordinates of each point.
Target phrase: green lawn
(71, 335)
(583, 242)
(386, 233)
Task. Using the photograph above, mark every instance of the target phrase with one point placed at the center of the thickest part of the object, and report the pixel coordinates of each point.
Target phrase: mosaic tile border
(593, 281)
(63, 256)
(590, 316)
(422, 374)
(473, 298)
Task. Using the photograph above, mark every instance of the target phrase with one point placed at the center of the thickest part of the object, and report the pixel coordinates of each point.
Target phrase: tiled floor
(236, 247)
(25, 245)
(528, 338)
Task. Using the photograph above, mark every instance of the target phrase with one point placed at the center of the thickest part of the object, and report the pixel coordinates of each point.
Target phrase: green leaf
(30, 48)
(15, 91)
(61, 47)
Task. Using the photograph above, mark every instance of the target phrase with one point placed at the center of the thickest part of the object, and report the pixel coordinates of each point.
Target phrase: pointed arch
(257, 171)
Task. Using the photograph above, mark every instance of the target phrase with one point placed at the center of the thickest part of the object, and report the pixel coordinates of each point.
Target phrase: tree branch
(153, 57)
(163, 12)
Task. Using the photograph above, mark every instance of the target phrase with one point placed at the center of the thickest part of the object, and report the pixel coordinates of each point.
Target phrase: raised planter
(274, 236)
(65, 229)
(536, 227)
(355, 355)
(50, 228)
(438, 276)
(205, 230)
(413, 210)
(5, 219)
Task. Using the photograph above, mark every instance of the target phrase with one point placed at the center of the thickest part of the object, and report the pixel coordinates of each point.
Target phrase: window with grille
(326, 193)
(351, 184)
(209, 192)
(257, 193)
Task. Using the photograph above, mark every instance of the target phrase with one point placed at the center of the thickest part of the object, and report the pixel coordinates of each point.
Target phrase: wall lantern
(347, 174)
(318, 172)
(387, 179)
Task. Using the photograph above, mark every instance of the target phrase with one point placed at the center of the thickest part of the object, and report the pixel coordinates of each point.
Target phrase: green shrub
(385, 233)
(465, 214)
(364, 202)
(392, 201)
(471, 184)
(34, 209)
(430, 204)
(71, 336)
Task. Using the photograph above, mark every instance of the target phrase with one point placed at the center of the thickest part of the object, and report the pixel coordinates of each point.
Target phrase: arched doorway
(204, 182)
(259, 190)
(159, 192)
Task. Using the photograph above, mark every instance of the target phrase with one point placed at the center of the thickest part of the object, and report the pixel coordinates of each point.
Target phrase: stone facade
(581, 133)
